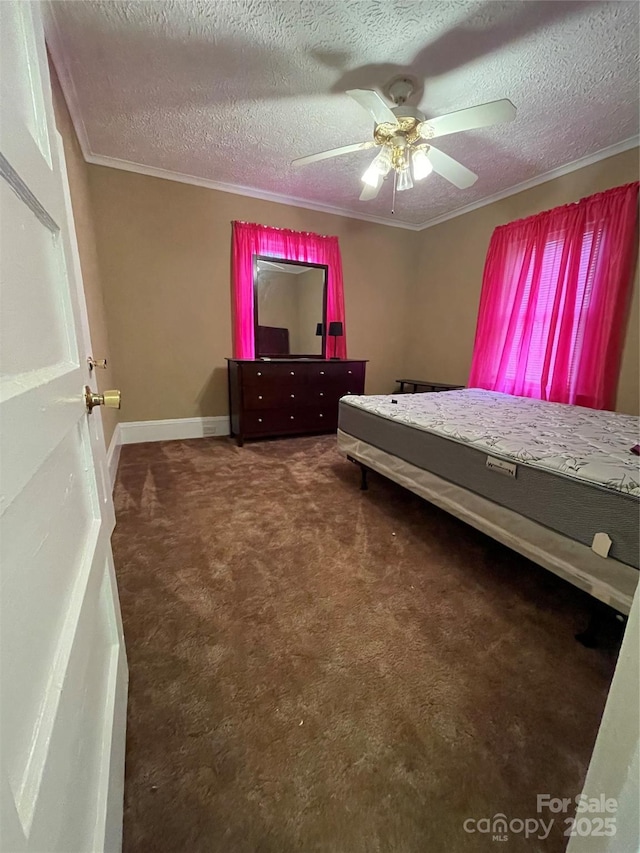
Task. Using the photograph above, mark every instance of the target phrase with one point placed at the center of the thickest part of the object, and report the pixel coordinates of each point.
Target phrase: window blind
(552, 284)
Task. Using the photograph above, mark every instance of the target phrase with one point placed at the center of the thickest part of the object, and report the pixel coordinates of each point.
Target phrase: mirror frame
(275, 260)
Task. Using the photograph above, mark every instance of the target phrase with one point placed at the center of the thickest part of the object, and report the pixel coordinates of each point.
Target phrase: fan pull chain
(393, 202)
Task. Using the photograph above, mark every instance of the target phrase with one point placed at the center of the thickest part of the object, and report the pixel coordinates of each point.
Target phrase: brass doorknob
(110, 399)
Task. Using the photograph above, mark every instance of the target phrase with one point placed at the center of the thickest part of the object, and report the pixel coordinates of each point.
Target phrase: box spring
(571, 507)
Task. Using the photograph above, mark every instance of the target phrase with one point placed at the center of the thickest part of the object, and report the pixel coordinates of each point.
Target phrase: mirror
(289, 308)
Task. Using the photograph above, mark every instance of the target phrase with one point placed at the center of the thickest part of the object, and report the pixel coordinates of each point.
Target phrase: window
(531, 346)
(554, 302)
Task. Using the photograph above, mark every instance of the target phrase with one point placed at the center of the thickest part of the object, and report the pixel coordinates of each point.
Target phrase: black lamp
(335, 329)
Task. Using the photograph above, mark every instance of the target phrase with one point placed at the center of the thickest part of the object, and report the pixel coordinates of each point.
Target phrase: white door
(63, 671)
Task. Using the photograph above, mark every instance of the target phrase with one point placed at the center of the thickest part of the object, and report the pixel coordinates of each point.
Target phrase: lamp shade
(335, 328)
(320, 329)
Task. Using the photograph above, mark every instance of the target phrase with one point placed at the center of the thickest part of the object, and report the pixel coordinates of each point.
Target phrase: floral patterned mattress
(583, 444)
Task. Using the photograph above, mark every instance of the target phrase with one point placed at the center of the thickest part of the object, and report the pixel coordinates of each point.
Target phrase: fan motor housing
(401, 88)
(407, 111)
(406, 127)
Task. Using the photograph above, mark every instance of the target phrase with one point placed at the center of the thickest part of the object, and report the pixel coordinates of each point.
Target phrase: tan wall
(77, 170)
(165, 249)
(276, 302)
(310, 307)
(445, 289)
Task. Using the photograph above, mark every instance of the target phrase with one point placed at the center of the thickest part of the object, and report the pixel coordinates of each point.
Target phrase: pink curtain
(250, 240)
(554, 302)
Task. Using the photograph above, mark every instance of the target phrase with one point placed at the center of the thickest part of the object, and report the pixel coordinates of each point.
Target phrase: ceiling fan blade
(370, 192)
(450, 169)
(373, 104)
(484, 115)
(333, 152)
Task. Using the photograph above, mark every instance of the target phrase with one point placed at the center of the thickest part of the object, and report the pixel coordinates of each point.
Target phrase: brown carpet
(314, 668)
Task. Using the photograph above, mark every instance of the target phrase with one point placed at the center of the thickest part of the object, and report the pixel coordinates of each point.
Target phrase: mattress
(566, 467)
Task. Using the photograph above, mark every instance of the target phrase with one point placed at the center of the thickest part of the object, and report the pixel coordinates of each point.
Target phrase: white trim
(614, 766)
(292, 201)
(589, 160)
(108, 826)
(262, 195)
(172, 429)
(113, 455)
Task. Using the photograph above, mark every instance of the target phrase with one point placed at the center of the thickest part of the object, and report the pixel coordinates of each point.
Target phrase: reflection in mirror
(290, 301)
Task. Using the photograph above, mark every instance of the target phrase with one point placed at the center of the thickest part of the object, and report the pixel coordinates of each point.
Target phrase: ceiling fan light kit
(404, 180)
(422, 167)
(380, 167)
(404, 134)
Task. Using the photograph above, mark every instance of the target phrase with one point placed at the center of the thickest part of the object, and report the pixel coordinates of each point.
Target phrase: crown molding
(589, 160)
(53, 39)
(235, 189)
(292, 201)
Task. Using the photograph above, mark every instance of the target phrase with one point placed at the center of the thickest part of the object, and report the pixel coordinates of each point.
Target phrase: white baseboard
(113, 455)
(173, 429)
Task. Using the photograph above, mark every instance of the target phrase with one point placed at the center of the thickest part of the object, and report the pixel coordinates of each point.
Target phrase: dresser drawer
(333, 369)
(261, 422)
(273, 395)
(322, 396)
(339, 377)
(317, 418)
(281, 421)
(269, 373)
(289, 397)
(348, 385)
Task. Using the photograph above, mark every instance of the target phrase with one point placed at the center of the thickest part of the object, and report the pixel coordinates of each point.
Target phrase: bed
(557, 483)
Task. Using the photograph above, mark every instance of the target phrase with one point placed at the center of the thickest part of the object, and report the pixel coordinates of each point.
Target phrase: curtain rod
(275, 228)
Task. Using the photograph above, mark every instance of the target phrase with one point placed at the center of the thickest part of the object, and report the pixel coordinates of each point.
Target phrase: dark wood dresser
(289, 396)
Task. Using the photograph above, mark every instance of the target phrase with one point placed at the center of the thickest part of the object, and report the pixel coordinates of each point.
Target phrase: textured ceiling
(231, 92)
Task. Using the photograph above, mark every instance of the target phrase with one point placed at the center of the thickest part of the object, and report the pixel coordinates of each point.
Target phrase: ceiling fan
(403, 135)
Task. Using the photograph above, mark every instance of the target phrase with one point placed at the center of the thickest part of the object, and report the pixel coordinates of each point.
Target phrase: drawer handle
(321, 416)
(259, 420)
(259, 374)
(259, 396)
(322, 393)
(322, 373)
(293, 373)
(348, 371)
(293, 395)
(291, 417)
